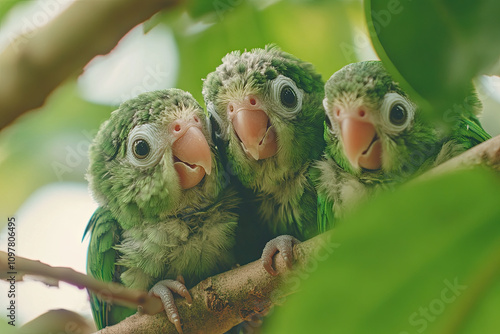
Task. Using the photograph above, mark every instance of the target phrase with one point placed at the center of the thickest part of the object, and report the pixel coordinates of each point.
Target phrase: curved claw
(283, 244)
(181, 279)
(163, 290)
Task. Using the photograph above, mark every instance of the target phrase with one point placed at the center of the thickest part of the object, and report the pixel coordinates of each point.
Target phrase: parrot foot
(283, 244)
(163, 290)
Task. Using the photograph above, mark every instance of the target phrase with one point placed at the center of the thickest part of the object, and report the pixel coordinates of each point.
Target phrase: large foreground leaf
(437, 46)
(424, 258)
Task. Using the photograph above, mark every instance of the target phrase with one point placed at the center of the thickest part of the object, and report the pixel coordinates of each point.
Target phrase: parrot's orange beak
(257, 137)
(362, 145)
(192, 157)
(253, 128)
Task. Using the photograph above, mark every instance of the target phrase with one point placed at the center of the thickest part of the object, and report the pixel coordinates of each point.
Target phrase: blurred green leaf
(423, 258)
(437, 46)
(5, 6)
(47, 145)
(198, 11)
(5, 328)
(324, 27)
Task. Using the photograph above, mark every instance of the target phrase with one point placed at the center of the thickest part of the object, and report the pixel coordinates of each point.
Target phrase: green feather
(407, 152)
(281, 190)
(147, 227)
(105, 234)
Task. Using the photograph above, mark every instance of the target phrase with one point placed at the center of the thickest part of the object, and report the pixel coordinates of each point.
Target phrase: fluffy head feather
(263, 73)
(137, 191)
(408, 141)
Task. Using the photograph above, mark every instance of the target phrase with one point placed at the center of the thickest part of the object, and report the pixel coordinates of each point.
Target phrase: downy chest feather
(195, 245)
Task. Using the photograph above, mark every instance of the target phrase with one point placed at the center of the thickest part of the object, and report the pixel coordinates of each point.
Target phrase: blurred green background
(435, 47)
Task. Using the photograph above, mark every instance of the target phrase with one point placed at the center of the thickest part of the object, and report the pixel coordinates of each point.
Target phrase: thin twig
(111, 292)
(485, 154)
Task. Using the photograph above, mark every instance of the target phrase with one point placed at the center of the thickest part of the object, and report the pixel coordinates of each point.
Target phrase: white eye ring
(397, 112)
(148, 134)
(287, 95)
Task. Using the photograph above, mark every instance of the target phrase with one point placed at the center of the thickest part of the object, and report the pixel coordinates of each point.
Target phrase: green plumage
(407, 151)
(280, 188)
(147, 228)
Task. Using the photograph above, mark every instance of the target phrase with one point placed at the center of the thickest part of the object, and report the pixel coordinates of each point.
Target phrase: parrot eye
(288, 97)
(398, 114)
(145, 145)
(141, 148)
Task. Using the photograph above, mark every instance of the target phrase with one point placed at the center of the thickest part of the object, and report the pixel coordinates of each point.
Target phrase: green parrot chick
(376, 135)
(164, 211)
(267, 105)
(268, 117)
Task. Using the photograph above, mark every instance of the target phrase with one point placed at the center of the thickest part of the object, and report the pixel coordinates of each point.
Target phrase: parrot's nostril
(362, 113)
(231, 108)
(252, 101)
(177, 127)
(196, 119)
(337, 112)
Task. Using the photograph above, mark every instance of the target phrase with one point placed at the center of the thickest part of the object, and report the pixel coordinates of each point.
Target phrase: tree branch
(223, 301)
(34, 64)
(15, 267)
(485, 154)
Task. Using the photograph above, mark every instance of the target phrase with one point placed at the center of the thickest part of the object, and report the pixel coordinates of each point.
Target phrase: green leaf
(6, 328)
(437, 46)
(198, 9)
(423, 258)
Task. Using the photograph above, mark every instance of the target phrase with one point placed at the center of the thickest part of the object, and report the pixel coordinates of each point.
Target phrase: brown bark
(112, 292)
(36, 63)
(225, 300)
